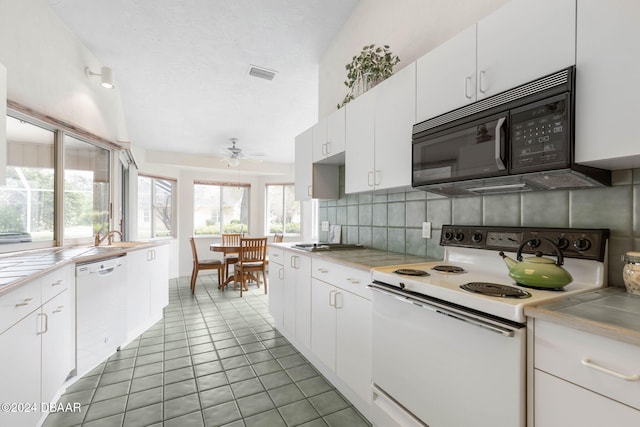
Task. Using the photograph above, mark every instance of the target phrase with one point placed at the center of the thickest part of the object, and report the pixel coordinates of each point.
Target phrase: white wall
(411, 28)
(45, 70)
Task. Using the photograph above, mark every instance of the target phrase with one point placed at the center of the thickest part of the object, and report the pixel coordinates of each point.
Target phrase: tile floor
(214, 360)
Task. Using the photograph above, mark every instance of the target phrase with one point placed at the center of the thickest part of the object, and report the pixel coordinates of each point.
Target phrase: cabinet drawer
(18, 303)
(275, 255)
(56, 282)
(350, 279)
(590, 361)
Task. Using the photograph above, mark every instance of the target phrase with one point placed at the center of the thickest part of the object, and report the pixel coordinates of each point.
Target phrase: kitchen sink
(125, 244)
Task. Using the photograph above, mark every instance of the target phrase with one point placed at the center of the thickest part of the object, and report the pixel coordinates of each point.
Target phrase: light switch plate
(324, 225)
(426, 230)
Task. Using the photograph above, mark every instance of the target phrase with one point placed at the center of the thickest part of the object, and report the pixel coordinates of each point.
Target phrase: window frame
(266, 209)
(174, 207)
(221, 185)
(61, 128)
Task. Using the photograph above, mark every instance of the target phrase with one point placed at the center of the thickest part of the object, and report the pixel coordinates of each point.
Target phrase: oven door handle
(498, 153)
(467, 319)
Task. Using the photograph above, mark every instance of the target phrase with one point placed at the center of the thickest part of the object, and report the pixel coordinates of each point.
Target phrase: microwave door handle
(499, 161)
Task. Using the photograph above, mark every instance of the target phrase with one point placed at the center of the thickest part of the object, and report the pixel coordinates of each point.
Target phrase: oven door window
(474, 150)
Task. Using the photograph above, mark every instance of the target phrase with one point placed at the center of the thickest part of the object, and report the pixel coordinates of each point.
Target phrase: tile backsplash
(393, 222)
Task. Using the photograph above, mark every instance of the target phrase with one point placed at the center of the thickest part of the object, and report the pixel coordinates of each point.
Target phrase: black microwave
(519, 140)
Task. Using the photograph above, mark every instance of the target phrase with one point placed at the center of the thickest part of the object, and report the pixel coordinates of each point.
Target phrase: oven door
(444, 367)
(471, 150)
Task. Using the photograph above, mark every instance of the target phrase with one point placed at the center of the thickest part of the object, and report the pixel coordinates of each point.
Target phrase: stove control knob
(582, 244)
(533, 243)
(476, 237)
(459, 237)
(561, 242)
(448, 235)
(402, 285)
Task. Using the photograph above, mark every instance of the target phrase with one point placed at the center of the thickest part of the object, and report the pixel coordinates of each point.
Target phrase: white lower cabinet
(38, 350)
(297, 297)
(276, 285)
(341, 327)
(583, 379)
(147, 290)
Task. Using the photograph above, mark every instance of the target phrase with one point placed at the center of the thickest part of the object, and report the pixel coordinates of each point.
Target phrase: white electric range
(437, 342)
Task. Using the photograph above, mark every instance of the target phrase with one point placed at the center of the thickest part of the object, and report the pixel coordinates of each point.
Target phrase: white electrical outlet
(426, 230)
(324, 225)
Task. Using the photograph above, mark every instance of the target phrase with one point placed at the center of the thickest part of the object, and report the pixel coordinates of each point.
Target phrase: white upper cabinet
(607, 89)
(446, 76)
(329, 136)
(520, 42)
(359, 156)
(317, 181)
(3, 124)
(379, 124)
(395, 115)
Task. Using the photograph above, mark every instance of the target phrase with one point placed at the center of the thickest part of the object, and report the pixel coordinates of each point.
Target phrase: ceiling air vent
(262, 73)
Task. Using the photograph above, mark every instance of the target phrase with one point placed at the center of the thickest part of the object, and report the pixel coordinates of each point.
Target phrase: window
(26, 201)
(220, 208)
(282, 210)
(86, 188)
(156, 201)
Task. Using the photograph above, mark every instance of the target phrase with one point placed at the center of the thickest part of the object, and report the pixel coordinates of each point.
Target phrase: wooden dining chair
(251, 259)
(210, 264)
(278, 238)
(230, 239)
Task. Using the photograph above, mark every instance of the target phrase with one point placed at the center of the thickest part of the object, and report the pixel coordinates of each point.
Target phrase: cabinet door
(359, 156)
(303, 300)
(319, 137)
(20, 367)
(276, 292)
(524, 40)
(395, 116)
(159, 279)
(336, 124)
(559, 403)
(304, 159)
(137, 293)
(353, 338)
(446, 76)
(289, 290)
(3, 124)
(607, 92)
(323, 322)
(58, 356)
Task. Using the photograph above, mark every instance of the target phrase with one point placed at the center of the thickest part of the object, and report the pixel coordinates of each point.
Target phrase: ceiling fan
(234, 154)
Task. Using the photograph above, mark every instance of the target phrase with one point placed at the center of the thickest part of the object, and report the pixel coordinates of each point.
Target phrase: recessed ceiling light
(263, 73)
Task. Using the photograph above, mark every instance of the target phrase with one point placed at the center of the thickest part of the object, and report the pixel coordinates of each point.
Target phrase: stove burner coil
(495, 290)
(411, 272)
(448, 269)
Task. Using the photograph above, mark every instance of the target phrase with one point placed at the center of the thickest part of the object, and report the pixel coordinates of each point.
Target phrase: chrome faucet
(109, 237)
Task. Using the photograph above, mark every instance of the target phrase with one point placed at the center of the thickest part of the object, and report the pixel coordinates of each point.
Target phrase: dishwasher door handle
(106, 271)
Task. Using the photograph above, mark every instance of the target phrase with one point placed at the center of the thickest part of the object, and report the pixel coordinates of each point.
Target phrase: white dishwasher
(101, 310)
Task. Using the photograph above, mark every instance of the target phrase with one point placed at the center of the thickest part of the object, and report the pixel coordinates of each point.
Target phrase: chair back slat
(278, 238)
(231, 239)
(253, 249)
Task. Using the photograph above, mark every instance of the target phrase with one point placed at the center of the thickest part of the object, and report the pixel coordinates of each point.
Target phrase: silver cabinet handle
(332, 299)
(499, 162)
(57, 282)
(26, 301)
(369, 176)
(281, 274)
(309, 191)
(46, 323)
(467, 82)
(376, 174)
(328, 145)
(59, 309)
(481, 87)
(354, 281)
(323, 270)
(589, 363)
(335, 300)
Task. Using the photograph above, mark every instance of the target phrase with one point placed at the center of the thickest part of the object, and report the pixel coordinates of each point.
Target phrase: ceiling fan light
(233, 162)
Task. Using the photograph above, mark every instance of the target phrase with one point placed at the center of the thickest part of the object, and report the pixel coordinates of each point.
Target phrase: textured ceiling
(182, 67)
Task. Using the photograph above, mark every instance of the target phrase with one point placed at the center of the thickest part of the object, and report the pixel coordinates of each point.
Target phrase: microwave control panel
(540, 134)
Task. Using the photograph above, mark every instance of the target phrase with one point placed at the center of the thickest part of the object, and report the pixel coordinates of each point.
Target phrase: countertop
(362, 258)
(610, 312)
(16, 269)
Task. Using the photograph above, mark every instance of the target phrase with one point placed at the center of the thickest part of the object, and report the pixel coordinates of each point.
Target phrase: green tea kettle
(537, 271)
